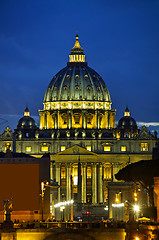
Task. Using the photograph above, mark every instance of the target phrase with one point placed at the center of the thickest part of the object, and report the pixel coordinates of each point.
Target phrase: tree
(142, 172)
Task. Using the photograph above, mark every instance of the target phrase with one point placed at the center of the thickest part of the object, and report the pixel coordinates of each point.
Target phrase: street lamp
(62, 212)
(43, 184)
(136, 210)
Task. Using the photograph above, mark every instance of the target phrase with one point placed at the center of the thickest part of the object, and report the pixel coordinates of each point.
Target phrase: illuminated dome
(26, 122)
(127, 122)
(77, 97)
(77, 81)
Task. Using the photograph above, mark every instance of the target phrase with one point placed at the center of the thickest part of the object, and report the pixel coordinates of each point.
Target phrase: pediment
(76, 150)
(145, 134)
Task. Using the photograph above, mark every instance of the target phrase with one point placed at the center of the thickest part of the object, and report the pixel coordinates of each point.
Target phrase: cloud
(148, 124)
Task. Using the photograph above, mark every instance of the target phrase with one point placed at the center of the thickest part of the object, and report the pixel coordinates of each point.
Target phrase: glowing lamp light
(63, 203)
(87, 212)
(62, 208)
(136, 208)
(137, 238)
(118, 205)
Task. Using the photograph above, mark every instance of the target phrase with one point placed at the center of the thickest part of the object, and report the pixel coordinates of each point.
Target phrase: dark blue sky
(120, 39)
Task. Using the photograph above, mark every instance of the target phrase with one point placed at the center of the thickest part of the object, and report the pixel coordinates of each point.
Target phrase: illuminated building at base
(77, 127)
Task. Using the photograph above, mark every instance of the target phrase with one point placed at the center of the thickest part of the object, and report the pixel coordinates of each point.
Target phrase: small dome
(26, 122)
(127, 122)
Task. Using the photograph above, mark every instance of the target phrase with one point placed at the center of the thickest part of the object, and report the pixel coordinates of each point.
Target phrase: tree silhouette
(142, 172)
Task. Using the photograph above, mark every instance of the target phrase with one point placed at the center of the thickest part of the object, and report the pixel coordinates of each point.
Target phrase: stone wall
(73, 234)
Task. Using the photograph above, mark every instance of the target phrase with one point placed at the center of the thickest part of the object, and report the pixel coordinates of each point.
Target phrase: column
(108, 119)
(100, 184)
(84, 124)
(55, 121)
(58, 180)
(84, 186)
(106, 114)
(42, 117)
(97, 118)
(45, 120)
(94, 183)
(69, 119)
(68, 183)
(51, 171)
(58, 113)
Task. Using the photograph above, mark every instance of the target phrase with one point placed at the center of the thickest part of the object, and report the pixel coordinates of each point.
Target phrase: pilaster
(94, 183)
(84, 183)
(58, 167)
(68, 182)
(100, 184)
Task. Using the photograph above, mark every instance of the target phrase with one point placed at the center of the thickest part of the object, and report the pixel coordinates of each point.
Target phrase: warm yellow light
(44, 149)
(127, 114)
(89, 172)
(137, 238)
(107, 148)
(89, 148)
(28, 149)
(62, 208)
(123, 148)
(42, 186)
(144, 147)
(136, 208)
(27, 114)
(63, 148)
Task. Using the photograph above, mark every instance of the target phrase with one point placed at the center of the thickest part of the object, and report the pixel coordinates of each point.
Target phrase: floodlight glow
(118, 205)
(63, 203)
(136, 208)
(106, 208)
(62, 208)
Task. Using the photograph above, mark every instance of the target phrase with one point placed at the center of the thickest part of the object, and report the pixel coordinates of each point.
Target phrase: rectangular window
(75, 180)
(88, 148)
(75, 175)
(77, 118)
(44, 149)
(63, 172)
(28, 149)
(144, 147)
(63, 148)
(107, 148)
(123, 148)
(89, 172)
(107, 172)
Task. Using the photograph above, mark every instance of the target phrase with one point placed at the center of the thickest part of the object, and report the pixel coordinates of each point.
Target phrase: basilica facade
(77, 127)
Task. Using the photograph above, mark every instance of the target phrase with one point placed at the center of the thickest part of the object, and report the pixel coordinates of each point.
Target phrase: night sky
(120, 40)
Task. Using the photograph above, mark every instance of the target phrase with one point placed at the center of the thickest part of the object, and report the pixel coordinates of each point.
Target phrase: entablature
(77, 105)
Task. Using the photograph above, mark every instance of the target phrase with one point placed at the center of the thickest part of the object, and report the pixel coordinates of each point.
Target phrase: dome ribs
(62, 84)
